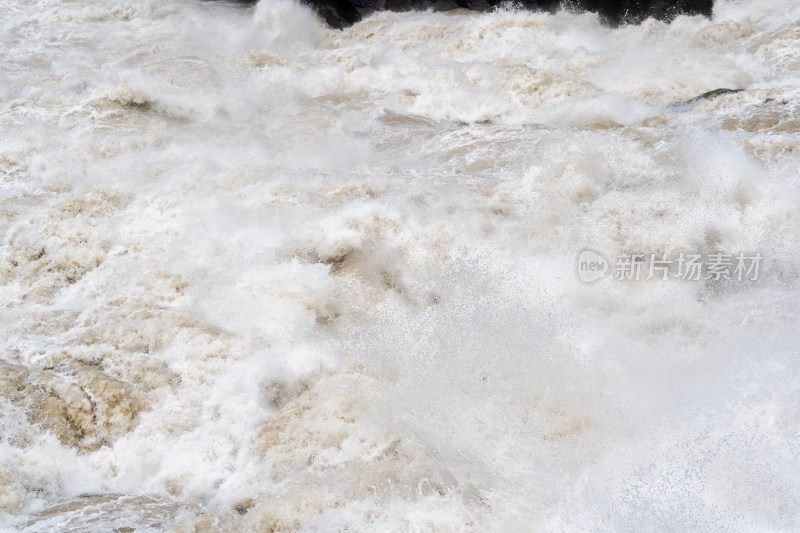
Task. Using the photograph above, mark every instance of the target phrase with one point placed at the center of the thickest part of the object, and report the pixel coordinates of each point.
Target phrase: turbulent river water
(257, 274)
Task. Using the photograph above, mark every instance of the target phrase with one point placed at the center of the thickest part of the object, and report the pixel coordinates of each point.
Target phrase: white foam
(259, 274)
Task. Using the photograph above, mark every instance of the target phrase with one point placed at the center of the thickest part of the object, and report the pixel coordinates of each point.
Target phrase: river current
(429, 273)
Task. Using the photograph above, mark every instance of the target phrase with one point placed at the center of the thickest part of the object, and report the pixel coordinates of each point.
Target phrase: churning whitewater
(257, 274)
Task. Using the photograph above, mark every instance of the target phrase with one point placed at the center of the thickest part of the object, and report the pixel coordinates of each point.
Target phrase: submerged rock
(706, 96)
(342, 13)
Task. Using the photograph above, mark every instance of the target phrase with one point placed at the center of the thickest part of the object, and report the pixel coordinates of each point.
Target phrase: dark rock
(342, 13)
(707, 96)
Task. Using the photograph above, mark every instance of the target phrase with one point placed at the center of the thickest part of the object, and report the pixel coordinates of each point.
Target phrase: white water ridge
(261, 275)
